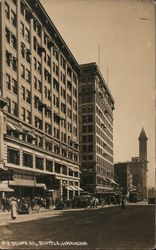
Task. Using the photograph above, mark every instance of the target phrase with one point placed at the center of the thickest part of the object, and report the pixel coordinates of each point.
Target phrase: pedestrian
(123, 202)
(4, 204)
(13, 208)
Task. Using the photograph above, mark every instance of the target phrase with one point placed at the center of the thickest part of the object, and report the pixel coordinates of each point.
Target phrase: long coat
(13, 209)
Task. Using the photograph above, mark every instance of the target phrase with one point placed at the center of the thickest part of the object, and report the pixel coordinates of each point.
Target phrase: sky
(124, 31)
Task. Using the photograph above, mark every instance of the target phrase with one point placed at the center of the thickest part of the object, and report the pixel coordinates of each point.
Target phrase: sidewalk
(5, 217)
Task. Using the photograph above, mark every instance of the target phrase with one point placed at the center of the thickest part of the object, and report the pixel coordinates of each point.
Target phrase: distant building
(96, 106)
(123, 176)
(137, 168)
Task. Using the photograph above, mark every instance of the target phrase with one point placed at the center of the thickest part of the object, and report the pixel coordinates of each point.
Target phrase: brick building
(39, 131)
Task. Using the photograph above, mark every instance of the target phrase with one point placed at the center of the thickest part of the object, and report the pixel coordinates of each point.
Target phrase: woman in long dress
(13, 209)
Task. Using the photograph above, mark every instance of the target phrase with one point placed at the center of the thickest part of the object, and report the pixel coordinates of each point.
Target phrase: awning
(68, 188)
(112, 181)
(5, 188)
(73, 188)
(77, 170)
(13, 127)
(78, 188)
(71, 168)
(33, 137)
(105, 179)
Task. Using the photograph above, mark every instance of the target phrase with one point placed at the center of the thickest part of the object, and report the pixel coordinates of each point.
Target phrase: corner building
(39, 135)
(96, 106)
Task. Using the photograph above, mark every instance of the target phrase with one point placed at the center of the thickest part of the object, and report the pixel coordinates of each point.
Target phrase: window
(57, 70)
(39, 163)
(64, 169)
(84, 138)
(35, 63)
(90, 128)
(13, 18)
(28, 53)
(22, 71)
(8, 105)
(49, 165)
(49, 95)
(28, 76)
(57, 167)
(14, 1)
(14, 42)
(28, 97)
(35, 82)
(35, 43)
(84, 118)
(69, 85)
(90, 118)
(13, 156)
(14, 87)
(69, 71)
(84, 129)
(23, 92)
(8, 58)
(90, 138)
(14, 108)
(39, 86)
(14, 64)
(23, 50)
(45, 92)
(39, 30)
(39, 68)
(28, 118)
(27, 160)
(22, 29)
(90, 148)
(8, 81)
(48, 145)
(48, 61)
(23, 114)
(90, 157)
(27, 35)
(7, 34)
(22, 8)
(7, 10)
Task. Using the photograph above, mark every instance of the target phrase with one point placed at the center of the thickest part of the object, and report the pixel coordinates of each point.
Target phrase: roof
(44, 18)
(92, 68)
(143, 135)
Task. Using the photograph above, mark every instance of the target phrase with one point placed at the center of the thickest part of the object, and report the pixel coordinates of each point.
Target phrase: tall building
(137, 167)
(96, 106)
(39, 131)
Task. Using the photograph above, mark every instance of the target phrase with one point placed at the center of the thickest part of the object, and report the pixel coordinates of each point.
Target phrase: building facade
(39, 130)
(137, 167)
(96, 106)
(123, 177)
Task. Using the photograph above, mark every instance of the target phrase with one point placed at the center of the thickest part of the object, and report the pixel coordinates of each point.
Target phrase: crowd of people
(27, 205)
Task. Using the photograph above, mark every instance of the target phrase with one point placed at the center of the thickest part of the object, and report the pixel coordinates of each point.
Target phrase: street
(106, 228)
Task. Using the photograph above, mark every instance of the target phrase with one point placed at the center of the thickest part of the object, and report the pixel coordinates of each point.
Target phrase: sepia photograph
(77, 124)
